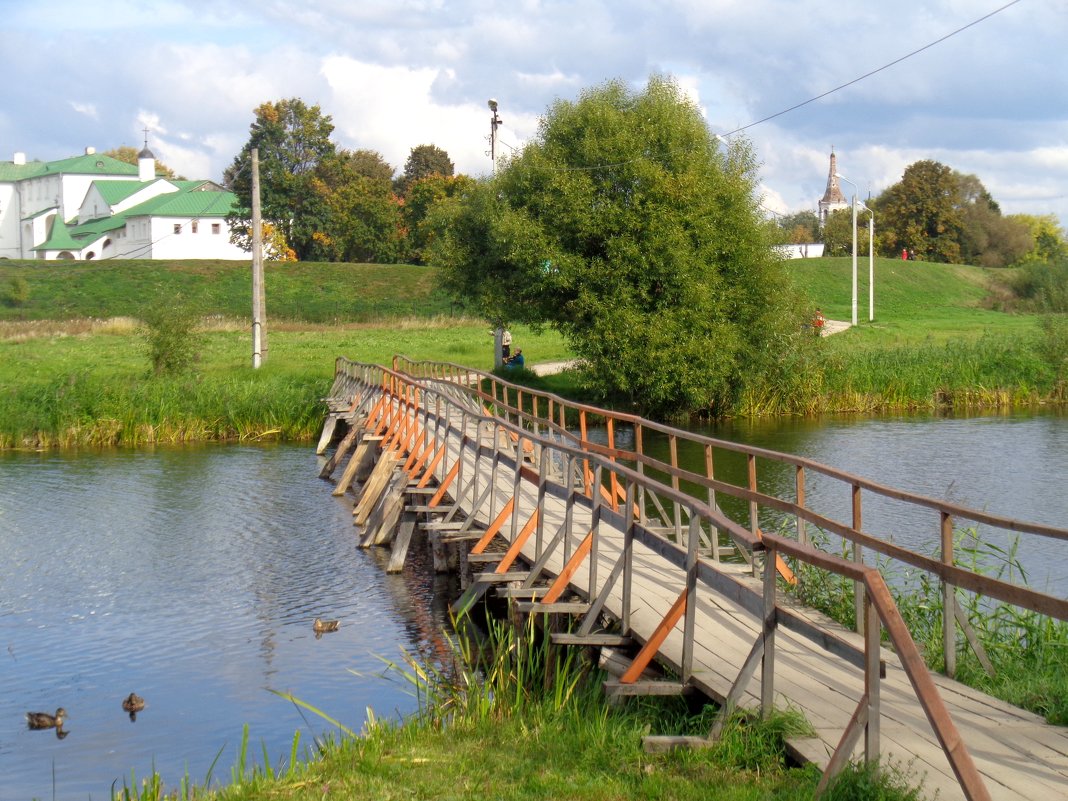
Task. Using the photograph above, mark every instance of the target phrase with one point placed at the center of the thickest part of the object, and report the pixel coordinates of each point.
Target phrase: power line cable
(876, 71)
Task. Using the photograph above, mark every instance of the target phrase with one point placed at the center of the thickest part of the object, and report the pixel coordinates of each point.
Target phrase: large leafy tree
(424, 161)
(422, 198)
(359, 216)
(798, 228)
(626, 226)
(921, 212)
(293, 139)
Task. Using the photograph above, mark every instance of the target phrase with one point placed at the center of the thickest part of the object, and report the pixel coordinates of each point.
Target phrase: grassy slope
(308, 291)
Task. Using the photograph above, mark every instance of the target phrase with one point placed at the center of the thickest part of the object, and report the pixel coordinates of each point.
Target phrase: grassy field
(74, 370)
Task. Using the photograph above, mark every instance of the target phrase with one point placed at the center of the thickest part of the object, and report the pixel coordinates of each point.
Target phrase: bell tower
(833, 199)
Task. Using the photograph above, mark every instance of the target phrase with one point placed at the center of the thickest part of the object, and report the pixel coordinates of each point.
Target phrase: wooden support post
(343, 447)
(872, 634)
(949, 600)
(767, 674)
(361, 459)
(329, 424)
(858, 557)
(382, 522)
(374, 487)
(401, 542)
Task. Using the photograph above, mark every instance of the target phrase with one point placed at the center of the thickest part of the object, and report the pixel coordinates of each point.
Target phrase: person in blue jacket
(516, 361)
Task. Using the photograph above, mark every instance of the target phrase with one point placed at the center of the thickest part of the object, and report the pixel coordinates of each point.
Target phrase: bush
(171, 335)
(1043, 286)
(18, 291)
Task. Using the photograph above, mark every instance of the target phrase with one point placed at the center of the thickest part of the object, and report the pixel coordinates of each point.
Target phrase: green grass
(308, 291)
(96, 388)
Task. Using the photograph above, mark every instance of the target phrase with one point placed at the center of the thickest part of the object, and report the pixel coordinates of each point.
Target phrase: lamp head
(492, 103)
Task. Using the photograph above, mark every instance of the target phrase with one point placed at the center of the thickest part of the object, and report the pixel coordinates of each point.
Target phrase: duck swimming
(320, 627)
(133, 703)
(42, 720)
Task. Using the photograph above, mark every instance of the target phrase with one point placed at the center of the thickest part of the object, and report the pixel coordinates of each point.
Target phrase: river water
(190, 576)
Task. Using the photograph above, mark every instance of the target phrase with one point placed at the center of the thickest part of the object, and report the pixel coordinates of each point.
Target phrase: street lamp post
(841, 177)
(495, 122)
(871, 263)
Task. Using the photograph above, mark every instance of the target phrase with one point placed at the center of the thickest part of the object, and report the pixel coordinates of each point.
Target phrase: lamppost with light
(495, 121)
(871, 262)
(841, 177)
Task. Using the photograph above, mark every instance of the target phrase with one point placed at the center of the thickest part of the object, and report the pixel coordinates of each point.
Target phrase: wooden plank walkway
(527, 498)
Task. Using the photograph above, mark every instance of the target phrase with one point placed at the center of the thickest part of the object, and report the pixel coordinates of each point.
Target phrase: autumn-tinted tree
(358, 215)
(130, 154)
(921, 212)
(798, 228)
(1049, 242)
(293, 139)
(423, 161)
(625, 226)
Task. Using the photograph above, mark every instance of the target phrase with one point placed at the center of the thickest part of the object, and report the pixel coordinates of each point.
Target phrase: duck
(133, 703)
(320, 626)
(42, 720)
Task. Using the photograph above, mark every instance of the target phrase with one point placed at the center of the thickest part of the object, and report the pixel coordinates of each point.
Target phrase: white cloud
(88, 109)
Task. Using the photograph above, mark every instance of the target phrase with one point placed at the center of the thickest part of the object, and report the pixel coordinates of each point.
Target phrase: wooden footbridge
(565, 509)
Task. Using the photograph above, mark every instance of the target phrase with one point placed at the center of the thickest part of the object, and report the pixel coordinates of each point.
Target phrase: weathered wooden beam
(400, 543)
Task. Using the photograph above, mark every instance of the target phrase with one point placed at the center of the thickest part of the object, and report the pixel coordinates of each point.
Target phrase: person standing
(506, 344)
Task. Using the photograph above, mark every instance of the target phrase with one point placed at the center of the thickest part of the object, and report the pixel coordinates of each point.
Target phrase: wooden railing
(446, 414)
(545, 413)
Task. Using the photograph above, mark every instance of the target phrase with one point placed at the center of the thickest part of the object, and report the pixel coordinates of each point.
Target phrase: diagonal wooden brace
(516, 547)
(652, 646)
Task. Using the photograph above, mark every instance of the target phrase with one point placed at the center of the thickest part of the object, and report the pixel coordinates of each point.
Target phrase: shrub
(18, 291)
(171, 335)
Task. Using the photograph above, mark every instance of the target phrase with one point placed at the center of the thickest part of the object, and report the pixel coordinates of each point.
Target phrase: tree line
(325, 203)
(937, 214)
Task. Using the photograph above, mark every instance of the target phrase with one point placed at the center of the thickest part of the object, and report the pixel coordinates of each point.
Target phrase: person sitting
(516, 362)
(818, 322)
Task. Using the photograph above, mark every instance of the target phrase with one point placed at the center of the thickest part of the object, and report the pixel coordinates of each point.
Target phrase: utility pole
(495, 122)
(259, 324)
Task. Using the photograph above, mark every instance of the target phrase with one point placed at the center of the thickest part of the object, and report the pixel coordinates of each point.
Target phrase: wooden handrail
(402, 408)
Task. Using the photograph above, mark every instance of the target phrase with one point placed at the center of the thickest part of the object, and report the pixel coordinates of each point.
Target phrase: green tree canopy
(798, 228)
(423, 196)
(293, 139)
(626, 227)
(130, 154)
(921, 212)
(424, 161)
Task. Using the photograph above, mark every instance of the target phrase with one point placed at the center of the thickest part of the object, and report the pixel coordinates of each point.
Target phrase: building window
(216, 228)
(194, 226)
(177, 228)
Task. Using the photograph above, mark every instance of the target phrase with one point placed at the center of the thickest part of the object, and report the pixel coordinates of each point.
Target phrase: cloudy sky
(991, 100)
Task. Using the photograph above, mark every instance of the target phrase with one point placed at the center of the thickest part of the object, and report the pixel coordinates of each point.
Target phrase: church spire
(833, 198)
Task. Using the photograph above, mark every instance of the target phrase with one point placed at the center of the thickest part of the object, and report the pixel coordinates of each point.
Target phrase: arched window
(65, 255)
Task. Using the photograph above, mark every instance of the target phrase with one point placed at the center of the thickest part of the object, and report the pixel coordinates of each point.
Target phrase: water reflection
(193, 575)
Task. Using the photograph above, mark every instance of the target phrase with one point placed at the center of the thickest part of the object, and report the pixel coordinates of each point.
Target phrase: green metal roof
(186, 204)
(94, 164)
(117, 191)
(59, 238)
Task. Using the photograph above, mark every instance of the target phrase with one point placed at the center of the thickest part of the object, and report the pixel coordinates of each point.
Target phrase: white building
(96, 207)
